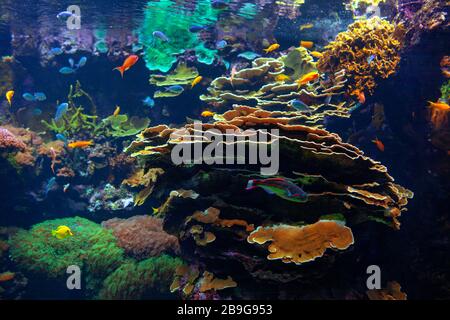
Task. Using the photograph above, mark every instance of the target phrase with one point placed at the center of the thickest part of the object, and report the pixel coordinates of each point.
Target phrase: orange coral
(66, 172)
(210, 282)
(392, 292)
(302, 244)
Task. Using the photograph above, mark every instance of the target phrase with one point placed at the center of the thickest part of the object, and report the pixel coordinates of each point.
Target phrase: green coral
(298, 62)
(182, 75)
(149, 278)
(91, 247)
(167, 17)
(122, 126)
(445, 91)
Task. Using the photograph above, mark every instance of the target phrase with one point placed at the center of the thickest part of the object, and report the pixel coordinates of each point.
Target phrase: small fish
(40, 96)
(80, 144)
(281, 187)
(232, 74)
(359, 95)
(29, 97)
(379, 144)
(7, 276)
(316, 54)
(127, 64)
(282, 78)
(221, 44)
(50, 184)
(306, 44)
(196, 81)
(311, 76)
(272, 47)
(149, 102)
(61, 110)
(61, 137)
(66, 187)
(196, 28)
(175, 88)
(306, 26)
(9, 95)
(64, 15)
(160, 35)
(371, 58)
(207, 114)
(439, 106)
(155, 210)
(62, 232)
(36, 112)
(299, 105)
(71, 62)
(249, 55)
(82, 62)
(116, 111)
(56, 51)
(66, 70)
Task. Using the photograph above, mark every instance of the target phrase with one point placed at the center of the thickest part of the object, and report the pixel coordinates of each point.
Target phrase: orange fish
(196, 81)
(439, 105)
(116, 111)
(80, 144)
(7, 276)
(272, 47)
(379, 144)
(128, 63)
(360, 95)
(308, 78)
(208, 113)
(306, 44)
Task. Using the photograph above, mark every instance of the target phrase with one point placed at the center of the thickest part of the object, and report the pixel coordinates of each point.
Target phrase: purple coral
(142, 236)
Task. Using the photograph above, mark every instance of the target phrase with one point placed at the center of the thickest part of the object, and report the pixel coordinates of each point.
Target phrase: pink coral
(10, 141)
(142, 236)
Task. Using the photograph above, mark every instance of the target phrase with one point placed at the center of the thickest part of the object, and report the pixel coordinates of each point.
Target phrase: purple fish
(281, 187)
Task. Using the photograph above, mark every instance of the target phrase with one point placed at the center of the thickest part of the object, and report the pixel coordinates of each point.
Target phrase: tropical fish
(61, 110)
(282, 78)
(175, 88)
(155, 210)
(221, 44)
(196, 81)
(37, 112)
(66, 70)
(272, 47)
(359, 95)
(249, 55)
(281, 187)
(311, 76)
(371, 58)
(7, 276)
(71, 62)
(196, 28)
(9, 95)
(127, 64)
(160, 35)
(81, 62)
(306, 44)
(306, 26)
(80, 144)
(207, 113)
(50, 184)
(61, 137)
(149, 102)
(40, 96)
(64, 15)
(316, 54)
(62, 232)
(439, 105)
(379, 144)
(28, 96)
(55, 51)
(299, 105)
(66, 187)
(116, 111)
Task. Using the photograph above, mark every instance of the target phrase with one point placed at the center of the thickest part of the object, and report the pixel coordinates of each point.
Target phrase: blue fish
(196, 28)
(66, 70)
(37, 112)
(175, 88)
(61, 137)
(82, 62)
(149, 102)
(371, 58)
(299, 105)
(61, 110)
(281, 187)
(221, 44)
(64, 15)
(56, 51)
(50, 184)
(249, 55)
(28, 96)
(40, 96)
(161, 35)
(71, 62)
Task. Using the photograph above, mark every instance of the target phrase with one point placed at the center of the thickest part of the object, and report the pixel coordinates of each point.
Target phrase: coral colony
(204, 150)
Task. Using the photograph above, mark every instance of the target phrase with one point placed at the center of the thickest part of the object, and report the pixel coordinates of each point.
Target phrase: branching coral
(142, 236)
(368, 51)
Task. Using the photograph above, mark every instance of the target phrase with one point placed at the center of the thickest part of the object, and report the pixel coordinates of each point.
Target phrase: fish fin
(250, 185)
(121, 70)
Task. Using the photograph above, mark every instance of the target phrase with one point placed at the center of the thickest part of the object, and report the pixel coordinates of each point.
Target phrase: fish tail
(266, 50)
(121, 69)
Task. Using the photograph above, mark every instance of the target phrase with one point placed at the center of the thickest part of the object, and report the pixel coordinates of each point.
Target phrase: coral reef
(368, 52)
(181, 75)
(142, 236)
(391, 292)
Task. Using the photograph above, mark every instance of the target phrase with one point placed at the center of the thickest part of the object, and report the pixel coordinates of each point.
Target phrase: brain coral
(142, 236)
(368, 51)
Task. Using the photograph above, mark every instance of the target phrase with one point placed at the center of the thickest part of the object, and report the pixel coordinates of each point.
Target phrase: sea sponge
(368, 51)
(142, 236)
(302, 244)
(149, 278)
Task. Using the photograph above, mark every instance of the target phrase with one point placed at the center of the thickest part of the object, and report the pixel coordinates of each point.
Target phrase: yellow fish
(62, 232)
(80, 144)
(196, 81)
(307, 78)
(155, 210)
(272, 47)
(117, 111)
(306, 44)
(316, 54)
(208, 113)
(306, 26)
(9, 96)
(282, 78)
